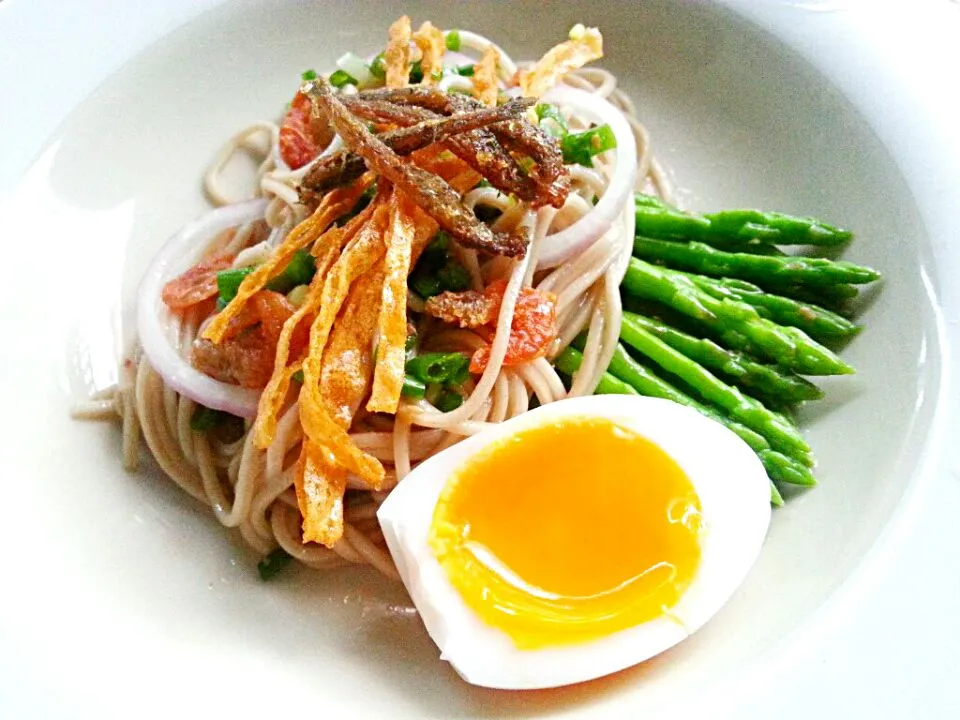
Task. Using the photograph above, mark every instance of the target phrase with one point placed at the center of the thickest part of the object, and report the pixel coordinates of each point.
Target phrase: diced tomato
(247, 352)
(197, 284)
(302, 137)
(533, 328)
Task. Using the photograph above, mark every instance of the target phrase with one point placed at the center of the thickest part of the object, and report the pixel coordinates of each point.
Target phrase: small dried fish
(345, 166)
(550, 174)
(479, 148)
(427, 190)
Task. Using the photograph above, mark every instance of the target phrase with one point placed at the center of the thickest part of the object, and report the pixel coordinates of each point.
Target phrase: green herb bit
(438, 367)
(413, 388)
(378, 67)
(339, 79)
(580, 148)
(308, 75)
(273, 563)
(453, 40)
(228, 282)
(298, 376)
(465, 70)
(416, 72)
(555, 124)
(299, 271)
(205, 419)
(448, 401)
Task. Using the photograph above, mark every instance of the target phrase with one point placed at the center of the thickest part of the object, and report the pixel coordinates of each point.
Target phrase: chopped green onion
(436, 271)
(465, 70)
(205, 419)
(439, 367)
(416, 73)
(413, 387)
(453, 40)
(424, 285)
(298, 376)
(453, 277)
(356, 67)
(308, 75)
(378, 67)
(228, 282)
(339, 79)
(581, 147)
(271, 565)
(299, 271)
(448, 401)
(555, 124)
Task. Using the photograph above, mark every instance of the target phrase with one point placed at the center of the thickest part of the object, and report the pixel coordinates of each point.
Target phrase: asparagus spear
(739, 325)
(783, 385)
(657, 219)
(819, 323)
(780, 434)
(764, 269)
(638, 379)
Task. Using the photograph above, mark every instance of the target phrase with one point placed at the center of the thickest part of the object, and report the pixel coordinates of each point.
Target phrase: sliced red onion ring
(179, 253)
(559, 247)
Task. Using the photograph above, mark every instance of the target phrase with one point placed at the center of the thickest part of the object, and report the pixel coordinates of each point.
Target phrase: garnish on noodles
(350, 315)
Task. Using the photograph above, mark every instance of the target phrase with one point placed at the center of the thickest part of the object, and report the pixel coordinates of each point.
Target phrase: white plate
(121, 596)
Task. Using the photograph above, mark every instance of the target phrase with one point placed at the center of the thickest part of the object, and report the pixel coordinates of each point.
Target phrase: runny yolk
(568, 531)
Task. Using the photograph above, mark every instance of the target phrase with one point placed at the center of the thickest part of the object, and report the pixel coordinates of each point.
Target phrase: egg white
(734, 494)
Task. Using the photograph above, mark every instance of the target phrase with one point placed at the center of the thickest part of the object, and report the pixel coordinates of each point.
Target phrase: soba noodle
(252, 489)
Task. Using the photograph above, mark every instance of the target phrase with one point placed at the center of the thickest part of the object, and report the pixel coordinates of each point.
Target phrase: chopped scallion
(378, 67)
(439, 367)
(581, 147)
(299, 271)
(271, 565)
(228, 282)
(413, 388)
(298, 376)
(339, 79)
(308, 75)
(551, 120)
(448, 401)
(453, 40)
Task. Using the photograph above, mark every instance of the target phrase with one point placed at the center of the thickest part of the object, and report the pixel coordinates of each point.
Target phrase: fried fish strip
(479, 148)
(428, 191)
(550, 174)
(345, 166)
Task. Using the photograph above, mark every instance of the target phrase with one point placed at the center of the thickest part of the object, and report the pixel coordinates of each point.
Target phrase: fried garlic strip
(485, 84)
(333, 205)
(584, 45)
(432, 47)
(391, 350)
(320, 486)
(319, 427)
(397, 55)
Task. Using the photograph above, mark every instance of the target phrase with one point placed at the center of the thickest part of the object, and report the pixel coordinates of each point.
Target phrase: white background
(889, 645)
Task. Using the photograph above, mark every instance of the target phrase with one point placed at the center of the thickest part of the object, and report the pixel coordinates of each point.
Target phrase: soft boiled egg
(577, 539)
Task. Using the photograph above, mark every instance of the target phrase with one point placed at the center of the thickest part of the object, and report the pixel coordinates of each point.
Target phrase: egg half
(577, 539)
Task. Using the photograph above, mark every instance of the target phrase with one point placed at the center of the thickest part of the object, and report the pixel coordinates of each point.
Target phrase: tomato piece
(245, 356)
(302, 137)
(197, 284)
(533, 329)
